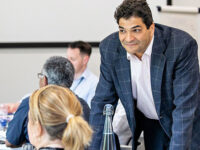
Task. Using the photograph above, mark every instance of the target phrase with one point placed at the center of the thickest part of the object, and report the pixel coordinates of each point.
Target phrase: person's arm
(8, 144)
(186, 96)
(105, 94)
(11, 107)
(16, 133)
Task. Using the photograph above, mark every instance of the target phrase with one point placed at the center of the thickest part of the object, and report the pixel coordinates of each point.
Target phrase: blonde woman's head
(57, 112)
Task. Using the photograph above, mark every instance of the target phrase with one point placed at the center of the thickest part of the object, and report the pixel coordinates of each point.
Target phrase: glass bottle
(108, 139)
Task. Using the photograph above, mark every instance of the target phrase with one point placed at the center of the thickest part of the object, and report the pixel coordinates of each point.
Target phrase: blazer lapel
(122, 68)
(157, 66)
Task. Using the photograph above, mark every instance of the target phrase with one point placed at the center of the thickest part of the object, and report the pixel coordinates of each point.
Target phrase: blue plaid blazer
(174, 81)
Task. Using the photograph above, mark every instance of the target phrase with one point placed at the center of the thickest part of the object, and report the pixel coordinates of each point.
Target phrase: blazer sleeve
(105, 94)
(17, 133)
(186, 96)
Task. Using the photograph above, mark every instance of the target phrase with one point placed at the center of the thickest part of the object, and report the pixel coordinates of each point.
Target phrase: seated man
(85, 82)
(58, 71)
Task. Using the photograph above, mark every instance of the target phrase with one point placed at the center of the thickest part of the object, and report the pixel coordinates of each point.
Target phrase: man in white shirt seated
(85, 82)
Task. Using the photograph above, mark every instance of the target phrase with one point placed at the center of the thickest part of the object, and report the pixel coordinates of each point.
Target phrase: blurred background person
(85, 82)
(12, 107)
(57, 70)
(55, 120)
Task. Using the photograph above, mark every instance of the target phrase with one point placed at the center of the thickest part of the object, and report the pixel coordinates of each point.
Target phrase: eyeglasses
(40, 75)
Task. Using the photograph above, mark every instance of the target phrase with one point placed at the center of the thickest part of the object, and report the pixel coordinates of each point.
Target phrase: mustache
(132, 42)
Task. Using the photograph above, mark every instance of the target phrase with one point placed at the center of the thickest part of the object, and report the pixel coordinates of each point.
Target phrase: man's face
(76, 58)
(134, 35)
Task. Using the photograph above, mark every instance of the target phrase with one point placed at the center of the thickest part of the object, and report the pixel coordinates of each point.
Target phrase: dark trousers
(154, 136)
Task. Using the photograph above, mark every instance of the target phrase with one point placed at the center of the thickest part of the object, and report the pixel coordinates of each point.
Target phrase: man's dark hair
(136, 8)
(59, 71)
(85, 48)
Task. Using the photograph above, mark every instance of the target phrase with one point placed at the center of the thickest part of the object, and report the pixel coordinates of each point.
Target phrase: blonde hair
(51, 106)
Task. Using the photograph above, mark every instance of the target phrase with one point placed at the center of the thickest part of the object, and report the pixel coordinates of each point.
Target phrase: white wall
(56, 20)
(195, 3)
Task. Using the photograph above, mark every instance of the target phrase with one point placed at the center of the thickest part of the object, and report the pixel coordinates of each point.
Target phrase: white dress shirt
(121, 126)
(141, 82)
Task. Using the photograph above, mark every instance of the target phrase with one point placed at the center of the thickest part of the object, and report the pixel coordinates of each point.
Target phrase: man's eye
(122, 31)
(136, 30)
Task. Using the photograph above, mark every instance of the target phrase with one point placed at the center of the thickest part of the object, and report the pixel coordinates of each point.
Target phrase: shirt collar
(84, 74)
(147, 52)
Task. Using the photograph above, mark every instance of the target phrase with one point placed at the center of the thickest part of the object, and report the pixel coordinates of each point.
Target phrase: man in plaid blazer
(153, 69)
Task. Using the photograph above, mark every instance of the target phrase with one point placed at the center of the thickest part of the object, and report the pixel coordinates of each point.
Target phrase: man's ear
(45, 81)
(152, 29)
(86, 59)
